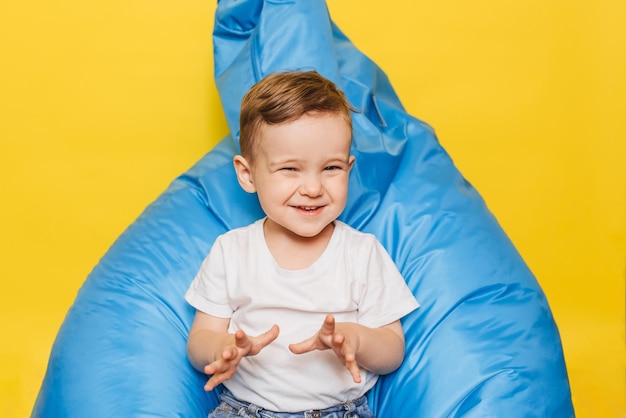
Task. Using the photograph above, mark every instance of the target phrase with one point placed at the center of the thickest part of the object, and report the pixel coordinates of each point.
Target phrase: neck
(292, 251)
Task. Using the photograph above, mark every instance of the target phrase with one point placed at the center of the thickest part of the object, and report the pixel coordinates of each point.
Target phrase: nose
(311, 185)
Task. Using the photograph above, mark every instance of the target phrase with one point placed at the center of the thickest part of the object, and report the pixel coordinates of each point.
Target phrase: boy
(296, 314)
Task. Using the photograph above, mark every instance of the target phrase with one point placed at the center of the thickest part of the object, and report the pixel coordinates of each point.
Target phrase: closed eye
(332, 167)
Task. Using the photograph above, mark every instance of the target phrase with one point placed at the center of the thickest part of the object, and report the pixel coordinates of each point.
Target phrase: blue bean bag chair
(483, 343)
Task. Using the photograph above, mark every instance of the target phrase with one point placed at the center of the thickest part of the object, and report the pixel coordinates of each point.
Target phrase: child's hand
(225, 367)
(341, 338)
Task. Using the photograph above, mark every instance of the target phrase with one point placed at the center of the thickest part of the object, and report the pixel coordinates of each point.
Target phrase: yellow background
(102, 104)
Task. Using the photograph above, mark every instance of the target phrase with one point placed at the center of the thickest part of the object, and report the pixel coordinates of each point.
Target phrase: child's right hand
(225, 367)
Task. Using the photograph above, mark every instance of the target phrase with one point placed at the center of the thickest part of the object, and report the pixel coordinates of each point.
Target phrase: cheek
(339, 188)
(274, 190)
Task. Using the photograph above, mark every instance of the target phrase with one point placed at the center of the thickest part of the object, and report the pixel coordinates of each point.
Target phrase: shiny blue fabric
(483, 343)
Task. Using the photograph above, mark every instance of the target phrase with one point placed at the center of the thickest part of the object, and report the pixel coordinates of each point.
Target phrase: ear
(244, 173)
(351, 160)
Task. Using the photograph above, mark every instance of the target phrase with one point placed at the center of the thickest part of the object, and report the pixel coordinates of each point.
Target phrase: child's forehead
(307, 133)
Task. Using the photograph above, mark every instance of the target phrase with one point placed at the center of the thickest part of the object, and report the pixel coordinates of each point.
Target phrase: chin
(311, 233)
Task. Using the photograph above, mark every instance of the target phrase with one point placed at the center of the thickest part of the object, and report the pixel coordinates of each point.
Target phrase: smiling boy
(297, 314)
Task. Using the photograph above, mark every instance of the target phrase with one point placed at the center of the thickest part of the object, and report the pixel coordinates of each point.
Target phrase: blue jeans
(231, 407)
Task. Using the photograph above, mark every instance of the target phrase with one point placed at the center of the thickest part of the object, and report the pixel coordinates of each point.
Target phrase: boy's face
(300, 173)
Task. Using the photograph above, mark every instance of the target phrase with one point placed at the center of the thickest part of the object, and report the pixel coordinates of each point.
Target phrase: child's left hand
(342, 338)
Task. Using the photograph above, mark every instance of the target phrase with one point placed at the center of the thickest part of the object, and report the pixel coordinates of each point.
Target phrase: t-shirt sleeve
(384, 295)
(207, 292)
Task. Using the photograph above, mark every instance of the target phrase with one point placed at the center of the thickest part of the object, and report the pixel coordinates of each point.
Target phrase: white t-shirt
(354, 279)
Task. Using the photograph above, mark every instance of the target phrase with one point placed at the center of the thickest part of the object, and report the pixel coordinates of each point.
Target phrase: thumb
(268, 336)
(304, 346)
(263, 340)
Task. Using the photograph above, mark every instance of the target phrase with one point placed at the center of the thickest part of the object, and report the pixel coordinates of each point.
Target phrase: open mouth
(309, 210)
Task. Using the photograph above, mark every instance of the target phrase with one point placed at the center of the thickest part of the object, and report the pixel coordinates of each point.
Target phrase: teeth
(308, 208)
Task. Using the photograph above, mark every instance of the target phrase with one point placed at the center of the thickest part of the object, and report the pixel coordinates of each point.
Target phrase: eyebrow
(287, 161)
(274, 163)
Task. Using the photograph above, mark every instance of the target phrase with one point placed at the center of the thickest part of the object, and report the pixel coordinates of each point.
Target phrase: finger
(351, 364)
(210, 369)
(242, 340)
(229, 353)
(328, 327)
(215, 367)
(211, 384)
(263, 340)
(304, 346)
(338, 340)
(347, 354)
(216, 379)
(268, 336)
(354, 370)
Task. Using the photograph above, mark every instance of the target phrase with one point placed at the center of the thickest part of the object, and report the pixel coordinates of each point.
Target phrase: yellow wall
(102, 104)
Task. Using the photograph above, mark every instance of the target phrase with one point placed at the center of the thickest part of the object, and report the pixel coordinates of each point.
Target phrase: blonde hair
(284, 97)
